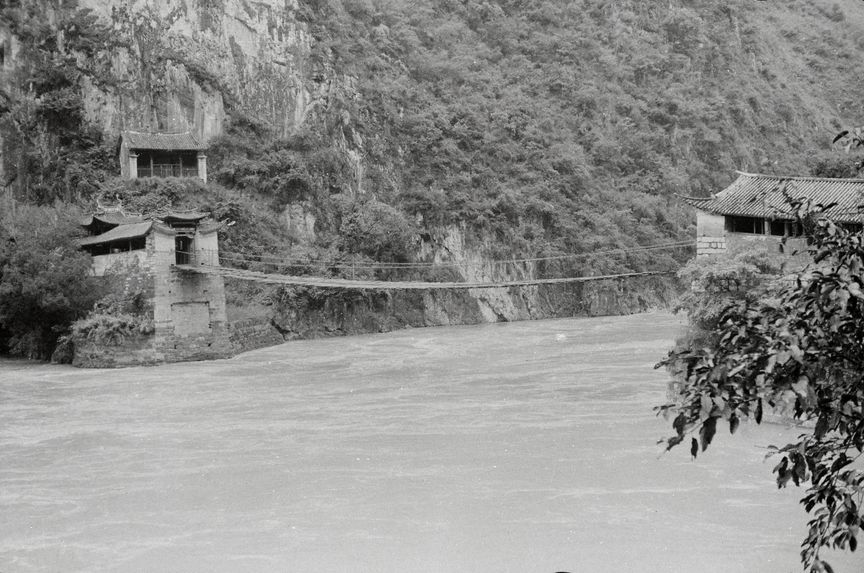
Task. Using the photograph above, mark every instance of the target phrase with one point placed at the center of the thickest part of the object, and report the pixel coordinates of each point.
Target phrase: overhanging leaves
(799, 348)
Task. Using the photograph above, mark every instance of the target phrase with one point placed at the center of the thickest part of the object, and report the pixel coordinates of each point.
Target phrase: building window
(751, 225)
(782, 228)
(777, 228)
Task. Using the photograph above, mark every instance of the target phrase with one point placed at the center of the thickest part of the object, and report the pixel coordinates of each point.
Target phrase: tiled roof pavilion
(766, 196)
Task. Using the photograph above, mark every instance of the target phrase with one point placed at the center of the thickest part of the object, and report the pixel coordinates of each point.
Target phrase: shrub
(717, 282)
(834, 164)
(113, 328)
(379, 231)
(125, 311)
(152, 195)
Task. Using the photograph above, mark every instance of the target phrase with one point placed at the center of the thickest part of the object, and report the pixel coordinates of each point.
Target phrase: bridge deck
(392, 285)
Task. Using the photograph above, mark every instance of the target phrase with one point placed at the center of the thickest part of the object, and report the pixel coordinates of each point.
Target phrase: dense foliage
(566, 126)
(801, 351)
(308, 171)
(44, 278)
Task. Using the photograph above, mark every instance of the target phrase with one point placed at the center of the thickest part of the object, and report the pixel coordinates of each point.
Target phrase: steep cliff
(186, 64)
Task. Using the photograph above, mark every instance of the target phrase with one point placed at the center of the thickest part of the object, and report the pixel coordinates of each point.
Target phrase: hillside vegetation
(536, 128)
(570, 124)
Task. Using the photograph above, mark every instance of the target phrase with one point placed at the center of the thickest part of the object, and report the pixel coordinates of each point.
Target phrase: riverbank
(296, 313)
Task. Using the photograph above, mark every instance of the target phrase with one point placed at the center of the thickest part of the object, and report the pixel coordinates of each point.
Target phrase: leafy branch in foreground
(800, 351)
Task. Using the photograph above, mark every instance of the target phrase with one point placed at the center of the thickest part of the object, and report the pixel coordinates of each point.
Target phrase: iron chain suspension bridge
(320, 273)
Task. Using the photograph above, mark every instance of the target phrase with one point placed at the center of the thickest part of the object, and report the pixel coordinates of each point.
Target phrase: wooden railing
(167, 170)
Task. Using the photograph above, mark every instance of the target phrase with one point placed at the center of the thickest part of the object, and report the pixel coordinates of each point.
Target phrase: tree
(801, 348)
(45, 281)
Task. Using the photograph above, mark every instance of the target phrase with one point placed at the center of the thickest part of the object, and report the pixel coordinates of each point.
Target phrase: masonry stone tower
(160, 255)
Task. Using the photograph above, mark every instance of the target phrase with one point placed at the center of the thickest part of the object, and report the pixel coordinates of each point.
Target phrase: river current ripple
(521, 447)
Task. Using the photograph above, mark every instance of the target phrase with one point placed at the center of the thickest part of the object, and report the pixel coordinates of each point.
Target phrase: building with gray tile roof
(767, 208)
(152, 154)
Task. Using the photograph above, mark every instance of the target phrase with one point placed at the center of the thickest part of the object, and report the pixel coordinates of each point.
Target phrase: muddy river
(522, 447)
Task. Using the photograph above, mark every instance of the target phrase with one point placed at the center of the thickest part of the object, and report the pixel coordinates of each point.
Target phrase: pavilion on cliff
(146, 154)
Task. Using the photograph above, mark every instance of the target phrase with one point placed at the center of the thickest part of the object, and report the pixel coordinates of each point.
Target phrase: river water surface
(522, 447)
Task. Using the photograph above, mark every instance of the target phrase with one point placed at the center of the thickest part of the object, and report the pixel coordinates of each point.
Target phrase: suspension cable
(248, 258)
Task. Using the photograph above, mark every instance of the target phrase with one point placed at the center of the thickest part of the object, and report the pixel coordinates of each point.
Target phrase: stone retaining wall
(710, 246)
(137, 351)
(199, 346)
(253, 333)
(143, 350)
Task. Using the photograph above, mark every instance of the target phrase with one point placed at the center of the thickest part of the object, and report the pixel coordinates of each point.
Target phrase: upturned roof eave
(111, 219)
(119, 233)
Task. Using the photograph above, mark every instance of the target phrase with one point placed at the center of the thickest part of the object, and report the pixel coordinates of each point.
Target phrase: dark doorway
(183, 250)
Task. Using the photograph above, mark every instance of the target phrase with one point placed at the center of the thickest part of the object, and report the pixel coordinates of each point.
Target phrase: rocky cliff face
(187, 64)
(315, 313)
(471, 262)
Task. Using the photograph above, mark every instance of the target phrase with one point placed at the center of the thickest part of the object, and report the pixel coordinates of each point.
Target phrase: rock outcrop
(184, 65)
